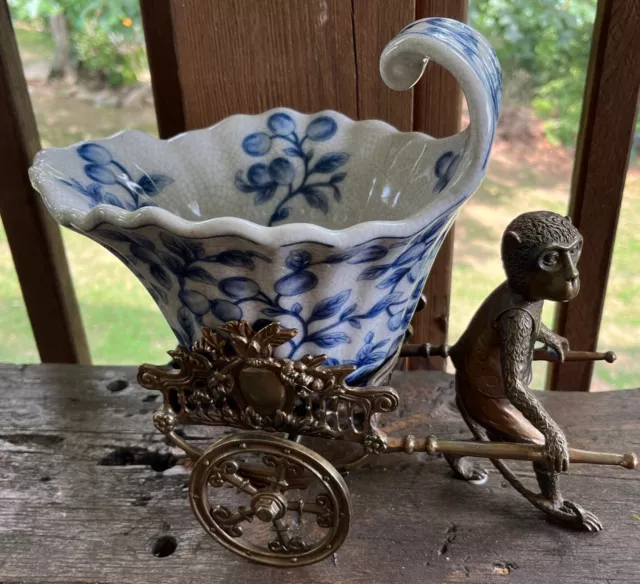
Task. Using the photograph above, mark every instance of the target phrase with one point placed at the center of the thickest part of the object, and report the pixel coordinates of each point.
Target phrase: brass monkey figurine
(540, 252)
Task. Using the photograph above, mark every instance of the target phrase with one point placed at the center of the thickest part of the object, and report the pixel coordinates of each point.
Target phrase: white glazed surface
(322, 223)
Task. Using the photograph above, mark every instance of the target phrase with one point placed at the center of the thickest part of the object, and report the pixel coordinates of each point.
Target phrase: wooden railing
(213, 58)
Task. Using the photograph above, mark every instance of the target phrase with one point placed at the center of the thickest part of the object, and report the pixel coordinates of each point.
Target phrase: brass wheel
(270, 500)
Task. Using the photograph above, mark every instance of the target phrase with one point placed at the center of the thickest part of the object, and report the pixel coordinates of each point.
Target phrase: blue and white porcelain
(325, 224)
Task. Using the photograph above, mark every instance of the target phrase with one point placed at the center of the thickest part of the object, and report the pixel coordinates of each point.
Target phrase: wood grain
(437, 110)
(67, 516)
(604, 146)
(34, 238)
(375, 23)
(235, 59)
(157, 19)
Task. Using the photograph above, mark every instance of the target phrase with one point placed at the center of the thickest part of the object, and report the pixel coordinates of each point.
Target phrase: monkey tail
(533, 498)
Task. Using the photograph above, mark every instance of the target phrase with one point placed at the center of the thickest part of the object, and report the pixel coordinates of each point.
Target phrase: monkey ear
(510, 241)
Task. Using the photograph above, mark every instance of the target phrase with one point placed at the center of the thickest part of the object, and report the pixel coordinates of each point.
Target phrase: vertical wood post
(34, 238)
(437, 110)
(602, 156)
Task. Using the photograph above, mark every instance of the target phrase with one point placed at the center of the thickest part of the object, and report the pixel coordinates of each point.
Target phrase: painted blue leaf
(100, 174)
(382, 304)
(200, 275)
(316, 198)
(161, 275)
(265, 194)
(331, 362)
(361, 375)
(144, 254)
(369, 337)
(294, 152)
(296, 283)
(380, 344)
(393, 279)
(414, 272)
(281, 171)
(257, 254)
(243, 186)
(396, 343)
(339, 177)
(412, 254)
(321, 129)
(186, 322)
(258, 174)
(348, 311)
(152, 184)
(395, 322)
(354, 322)
(182, 339)
(175, 264)
(296, 308)
(281, 123)
(160, 293)
(336, 194)
(113, 235)
(280, 215)
(187, 250)
(329, 340)
(329, 307)
(298, 260)
(256, 144)
(369, 254)
(418, 289)
(143, 241)
(269, 311)
(338, 258)
(444, 170)
(239, 287)
(194, 301)
(95, 153)
(309, 155)
(225, 310)
(374, 272)
(111, 199)
(330, 162)
(233, 258)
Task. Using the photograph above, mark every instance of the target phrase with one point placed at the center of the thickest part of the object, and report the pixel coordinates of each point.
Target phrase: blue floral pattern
(206, 282)
(474, 49)
(105, 172)
(288, 174)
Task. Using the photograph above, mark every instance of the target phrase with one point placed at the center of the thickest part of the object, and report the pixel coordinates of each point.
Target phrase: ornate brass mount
(271, 499)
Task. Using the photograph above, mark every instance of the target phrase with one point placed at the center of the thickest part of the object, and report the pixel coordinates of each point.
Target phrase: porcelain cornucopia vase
(325, 224)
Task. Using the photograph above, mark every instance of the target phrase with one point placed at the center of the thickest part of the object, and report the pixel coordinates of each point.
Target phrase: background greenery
(543, 46)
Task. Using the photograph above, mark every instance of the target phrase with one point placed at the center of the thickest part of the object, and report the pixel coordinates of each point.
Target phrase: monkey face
(553, 273)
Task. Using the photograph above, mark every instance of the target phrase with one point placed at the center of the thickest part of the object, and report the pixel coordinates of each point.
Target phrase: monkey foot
(466, 470)
(573, 515)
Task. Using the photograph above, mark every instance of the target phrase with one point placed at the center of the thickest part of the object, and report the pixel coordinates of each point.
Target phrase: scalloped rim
(234, 226)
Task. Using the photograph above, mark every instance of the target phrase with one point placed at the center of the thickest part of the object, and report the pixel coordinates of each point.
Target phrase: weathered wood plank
(65, 517)
(34, 238)
(232, 59)
(604, 146)
(437, 110)
(375, 23)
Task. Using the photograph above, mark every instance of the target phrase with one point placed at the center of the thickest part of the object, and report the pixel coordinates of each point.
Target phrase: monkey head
(540, 252)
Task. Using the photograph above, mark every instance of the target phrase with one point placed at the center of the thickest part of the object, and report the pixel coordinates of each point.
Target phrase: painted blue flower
(257, 144)
(94, 153)
(281, 171)
(281, 123)
(100, 174)
(258, 174)
(298, 259)
(322, 128)
(296, 283)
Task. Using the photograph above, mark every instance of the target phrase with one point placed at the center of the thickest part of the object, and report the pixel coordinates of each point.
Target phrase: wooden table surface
(87, 486)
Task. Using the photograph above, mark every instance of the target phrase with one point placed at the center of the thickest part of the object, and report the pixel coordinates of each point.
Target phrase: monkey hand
(557, 451)
(558, 344)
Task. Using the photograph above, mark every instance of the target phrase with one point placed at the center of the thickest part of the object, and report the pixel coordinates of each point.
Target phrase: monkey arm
(515, 329)
(553, 340)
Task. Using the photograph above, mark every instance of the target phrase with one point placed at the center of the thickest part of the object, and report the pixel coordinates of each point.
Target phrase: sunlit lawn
(125, 327)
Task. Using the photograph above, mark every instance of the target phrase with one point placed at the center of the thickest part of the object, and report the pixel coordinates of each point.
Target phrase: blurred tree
(550, 40)
(99, 39)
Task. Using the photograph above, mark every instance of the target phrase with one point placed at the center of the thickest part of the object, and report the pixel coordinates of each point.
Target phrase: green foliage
(550, 40)
(106, 35)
